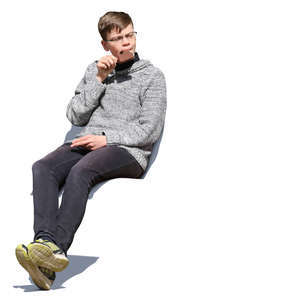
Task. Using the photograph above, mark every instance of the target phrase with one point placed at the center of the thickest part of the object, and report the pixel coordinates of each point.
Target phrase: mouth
(127, 50)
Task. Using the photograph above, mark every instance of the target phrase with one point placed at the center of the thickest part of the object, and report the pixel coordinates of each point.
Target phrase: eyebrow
(120, 35)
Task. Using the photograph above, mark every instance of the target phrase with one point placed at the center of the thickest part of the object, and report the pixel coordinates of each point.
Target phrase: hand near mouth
(105, 66)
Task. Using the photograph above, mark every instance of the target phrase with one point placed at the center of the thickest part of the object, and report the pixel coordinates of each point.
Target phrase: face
(115, 47)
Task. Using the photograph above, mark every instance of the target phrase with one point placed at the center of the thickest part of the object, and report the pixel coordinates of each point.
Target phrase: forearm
(85, 101)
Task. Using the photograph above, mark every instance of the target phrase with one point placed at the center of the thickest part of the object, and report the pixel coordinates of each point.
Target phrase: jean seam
(52, 170)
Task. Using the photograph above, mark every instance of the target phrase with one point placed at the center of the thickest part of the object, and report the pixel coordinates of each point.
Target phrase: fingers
(78, 144)
(110, 62)
(83, 144)
(107, 62)
(87, 141)
(110, 59)
(105, 66)
(102, 66)
(113, 58)
(87, 145)
(90, 141)
(83, 138)
(81, 141)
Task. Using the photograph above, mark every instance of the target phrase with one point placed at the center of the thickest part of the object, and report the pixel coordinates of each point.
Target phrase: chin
(124, 59)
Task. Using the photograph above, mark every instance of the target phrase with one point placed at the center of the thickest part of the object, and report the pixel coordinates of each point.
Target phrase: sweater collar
(127, 64)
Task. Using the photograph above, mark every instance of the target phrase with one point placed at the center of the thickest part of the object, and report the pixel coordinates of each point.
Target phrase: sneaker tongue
(51, 245)
(40, 240)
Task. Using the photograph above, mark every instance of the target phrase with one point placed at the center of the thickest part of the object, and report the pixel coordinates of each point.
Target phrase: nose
(125, 40)
(124, 37)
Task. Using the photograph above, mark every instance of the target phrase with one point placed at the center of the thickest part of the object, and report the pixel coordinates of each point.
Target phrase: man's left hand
(91, 142)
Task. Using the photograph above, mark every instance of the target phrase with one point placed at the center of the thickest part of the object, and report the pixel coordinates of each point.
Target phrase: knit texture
(129, 107)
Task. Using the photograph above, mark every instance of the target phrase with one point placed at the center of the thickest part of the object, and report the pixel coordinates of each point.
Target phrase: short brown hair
(113, 19)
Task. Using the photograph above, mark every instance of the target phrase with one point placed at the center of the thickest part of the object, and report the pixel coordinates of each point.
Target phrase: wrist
(99, 78)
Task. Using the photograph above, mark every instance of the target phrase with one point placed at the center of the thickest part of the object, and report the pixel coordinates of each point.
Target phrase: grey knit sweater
(129, 107)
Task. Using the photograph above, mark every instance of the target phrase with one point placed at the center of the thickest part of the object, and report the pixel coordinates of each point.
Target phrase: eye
(130, 34)
(116, 39)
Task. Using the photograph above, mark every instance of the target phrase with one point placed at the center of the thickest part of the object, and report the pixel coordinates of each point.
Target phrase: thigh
(109, 162)
(61, 160)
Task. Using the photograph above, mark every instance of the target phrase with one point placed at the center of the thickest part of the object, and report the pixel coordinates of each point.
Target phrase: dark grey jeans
(78, 169)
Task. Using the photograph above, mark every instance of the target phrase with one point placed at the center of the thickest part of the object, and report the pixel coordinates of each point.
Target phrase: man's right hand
(105, 66)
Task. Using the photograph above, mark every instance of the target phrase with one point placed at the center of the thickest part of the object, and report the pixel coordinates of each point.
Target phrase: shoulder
(152, 79)
(91, 69)
(158, 73)
(156, 76)
(151, 72)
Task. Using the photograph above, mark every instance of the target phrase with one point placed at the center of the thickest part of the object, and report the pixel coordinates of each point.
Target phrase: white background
(217, 216)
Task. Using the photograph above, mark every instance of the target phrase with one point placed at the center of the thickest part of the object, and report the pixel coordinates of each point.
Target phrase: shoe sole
(39, 279)
(43, 256)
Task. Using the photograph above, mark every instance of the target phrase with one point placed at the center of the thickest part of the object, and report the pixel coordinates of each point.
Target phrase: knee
(38, 167)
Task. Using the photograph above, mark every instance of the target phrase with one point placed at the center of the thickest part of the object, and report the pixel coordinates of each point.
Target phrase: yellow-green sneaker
(48, 255)
(42, 277)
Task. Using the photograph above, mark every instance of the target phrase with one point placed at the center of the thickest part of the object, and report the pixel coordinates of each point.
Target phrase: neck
(128, 63)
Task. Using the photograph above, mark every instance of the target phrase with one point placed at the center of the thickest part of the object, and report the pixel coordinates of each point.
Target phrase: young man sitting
(120, 105)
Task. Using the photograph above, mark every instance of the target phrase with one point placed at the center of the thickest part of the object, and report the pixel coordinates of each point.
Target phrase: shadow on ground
(77, 265)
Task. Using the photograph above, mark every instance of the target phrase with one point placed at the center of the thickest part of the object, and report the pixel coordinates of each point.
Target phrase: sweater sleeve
(85, 100)
(146, 130)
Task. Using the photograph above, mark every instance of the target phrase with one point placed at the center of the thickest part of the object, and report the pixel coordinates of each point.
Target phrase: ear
(104, 45)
